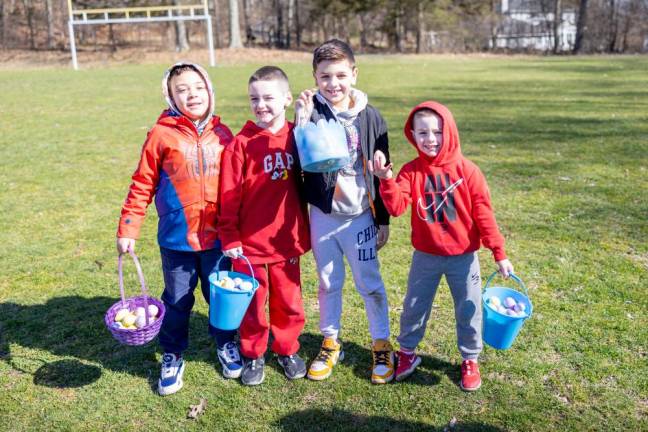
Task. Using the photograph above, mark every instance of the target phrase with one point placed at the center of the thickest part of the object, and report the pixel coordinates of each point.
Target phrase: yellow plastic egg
(121, 313)
(129, 320)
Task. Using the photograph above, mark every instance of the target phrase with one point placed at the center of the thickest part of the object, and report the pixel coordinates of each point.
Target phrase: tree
(581, 26)
(182, 44)
(50, 23)
(556, 25)
(235, 30)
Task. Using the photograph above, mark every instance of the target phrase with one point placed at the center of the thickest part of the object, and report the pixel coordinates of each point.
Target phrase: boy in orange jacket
(179, 166)
(264, 219)
(451, 217)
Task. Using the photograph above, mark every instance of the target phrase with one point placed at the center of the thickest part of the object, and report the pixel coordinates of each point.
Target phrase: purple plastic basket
(142, 335)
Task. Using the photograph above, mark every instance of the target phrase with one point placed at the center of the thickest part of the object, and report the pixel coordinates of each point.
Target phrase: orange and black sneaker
(330, 353)
(470, 377)
(383, 362)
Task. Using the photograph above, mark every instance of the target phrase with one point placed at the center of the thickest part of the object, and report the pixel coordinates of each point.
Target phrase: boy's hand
(234, 253)
(382, 236)
(378, 167)
(505, 268)
(125, 244)
(304, 107)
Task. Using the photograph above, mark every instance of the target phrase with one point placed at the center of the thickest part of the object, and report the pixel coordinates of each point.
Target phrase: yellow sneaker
(330, 353)
(383, 362)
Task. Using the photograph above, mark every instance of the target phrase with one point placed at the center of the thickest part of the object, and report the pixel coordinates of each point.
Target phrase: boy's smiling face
(427, 129)
(334, 79)
(190, 94)
(268, 101)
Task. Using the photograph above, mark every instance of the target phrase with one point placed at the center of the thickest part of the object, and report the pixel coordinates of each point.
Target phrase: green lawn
(563, 143)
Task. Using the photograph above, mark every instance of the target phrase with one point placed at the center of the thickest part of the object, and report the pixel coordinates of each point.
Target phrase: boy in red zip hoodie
(451, 217)
(179, 166)
(263, 220)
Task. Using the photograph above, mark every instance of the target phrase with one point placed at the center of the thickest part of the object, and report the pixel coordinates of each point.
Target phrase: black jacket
(373, 136)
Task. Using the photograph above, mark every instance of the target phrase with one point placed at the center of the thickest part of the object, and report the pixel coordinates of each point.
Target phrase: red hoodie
(444, 222)
(261, 209)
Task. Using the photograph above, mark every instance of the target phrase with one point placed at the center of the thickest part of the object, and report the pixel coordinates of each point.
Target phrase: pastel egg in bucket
(230, 294)
(500, 328)
(322, 146)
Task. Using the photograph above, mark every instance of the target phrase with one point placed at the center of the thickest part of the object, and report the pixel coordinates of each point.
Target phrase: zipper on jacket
(201, 224)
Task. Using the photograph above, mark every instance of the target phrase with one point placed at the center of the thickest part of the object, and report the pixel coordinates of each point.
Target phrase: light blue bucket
(500, 330)
(227, 306)
(322, 146)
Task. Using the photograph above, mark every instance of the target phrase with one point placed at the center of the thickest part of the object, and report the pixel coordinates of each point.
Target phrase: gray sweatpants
(333, 238)
(463, 277)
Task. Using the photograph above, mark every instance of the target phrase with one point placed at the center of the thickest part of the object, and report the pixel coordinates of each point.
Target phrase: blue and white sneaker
(230, 358)
(170, 374)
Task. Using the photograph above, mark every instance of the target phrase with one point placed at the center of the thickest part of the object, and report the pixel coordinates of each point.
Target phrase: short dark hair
(335, 50)
(269, 73)
(182, 68)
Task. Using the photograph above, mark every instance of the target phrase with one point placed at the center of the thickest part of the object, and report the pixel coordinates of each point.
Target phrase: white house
(528, 24)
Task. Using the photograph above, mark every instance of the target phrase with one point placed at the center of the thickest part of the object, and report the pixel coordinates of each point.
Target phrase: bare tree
(235, 28)
(182, 44)
(557, 21)
(50, 23)
(420, 26)
(215, 25)
(581, 26)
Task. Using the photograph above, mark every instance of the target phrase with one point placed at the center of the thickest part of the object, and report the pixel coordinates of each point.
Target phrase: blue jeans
(182, 270)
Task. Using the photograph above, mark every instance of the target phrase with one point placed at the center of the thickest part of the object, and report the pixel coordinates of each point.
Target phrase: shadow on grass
(342, 420)
(73, 326)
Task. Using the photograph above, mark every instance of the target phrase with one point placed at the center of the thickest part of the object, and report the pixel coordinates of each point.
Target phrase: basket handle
(140, 275)
(512, 276)
(240, 256)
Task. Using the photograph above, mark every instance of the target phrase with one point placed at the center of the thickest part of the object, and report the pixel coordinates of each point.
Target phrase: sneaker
(293, 366)
(170, 374)
(406, 364)
(383, 362)
(470, 377)
(230, 359)
(330, 353)
(253, 373)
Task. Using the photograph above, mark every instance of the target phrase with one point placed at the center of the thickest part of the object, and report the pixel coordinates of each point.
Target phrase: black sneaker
(293, 366)
(253, 373)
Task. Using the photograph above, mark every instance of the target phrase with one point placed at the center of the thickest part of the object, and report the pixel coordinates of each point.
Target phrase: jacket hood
(169, 99)
(359, 99)
(250, 128)
(451, 149)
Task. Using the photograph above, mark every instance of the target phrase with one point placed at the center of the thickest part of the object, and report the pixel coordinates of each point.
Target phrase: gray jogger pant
(463, 277)
(333, 238)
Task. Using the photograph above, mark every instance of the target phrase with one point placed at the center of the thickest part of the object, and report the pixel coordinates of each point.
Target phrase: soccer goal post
(135, 15)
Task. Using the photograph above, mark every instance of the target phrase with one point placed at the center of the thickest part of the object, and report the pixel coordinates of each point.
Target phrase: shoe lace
(381, 357)
(468, 368)
(324, 354)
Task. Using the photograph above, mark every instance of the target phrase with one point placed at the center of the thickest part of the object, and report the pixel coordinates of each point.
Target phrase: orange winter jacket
(181, 169)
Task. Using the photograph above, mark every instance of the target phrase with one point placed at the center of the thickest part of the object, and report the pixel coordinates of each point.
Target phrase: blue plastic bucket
(500, 330)
(227, 306)
(322, 146)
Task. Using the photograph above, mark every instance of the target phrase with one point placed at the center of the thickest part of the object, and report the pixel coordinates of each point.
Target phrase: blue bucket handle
(515, 278)
(249, 265)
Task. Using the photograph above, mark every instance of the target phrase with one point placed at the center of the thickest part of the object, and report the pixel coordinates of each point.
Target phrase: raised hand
(378, 167)
(304, 107)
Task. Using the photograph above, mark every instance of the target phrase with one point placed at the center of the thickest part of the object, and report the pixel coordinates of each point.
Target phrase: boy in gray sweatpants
(451, 217)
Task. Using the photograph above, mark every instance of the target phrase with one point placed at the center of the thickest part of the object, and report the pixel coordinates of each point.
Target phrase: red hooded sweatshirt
(451, 207)
(261, 209)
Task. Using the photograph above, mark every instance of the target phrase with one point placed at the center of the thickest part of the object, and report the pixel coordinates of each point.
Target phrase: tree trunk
(111, 36)
(29, 10)
(215, 24)
(278, 4)
(556, 25)
(613, 26)
(50, 23)
(235, 28)
(297, 25)
(182, 44)
(581, 26)
(290, 23)
(363, 32)
(420, 27)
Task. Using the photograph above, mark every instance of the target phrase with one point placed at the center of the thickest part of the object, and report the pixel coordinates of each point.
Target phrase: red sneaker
(470, 377)
(406, 364)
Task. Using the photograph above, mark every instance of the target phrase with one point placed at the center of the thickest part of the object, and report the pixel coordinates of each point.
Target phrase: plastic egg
(237, 281)
(228, 283)
(140, 311)
(140, 321)
(509, 302)
(501, 309)
(117, 325)
(494, 301)
(153, 310)
(511, 312)
(130, 327)
(522, 306)
(245, 286)
(129, 320)
(121, 313)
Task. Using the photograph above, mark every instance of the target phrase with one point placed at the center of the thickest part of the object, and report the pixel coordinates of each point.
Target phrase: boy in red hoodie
(451, 217)
(263, 219)
(179, 166)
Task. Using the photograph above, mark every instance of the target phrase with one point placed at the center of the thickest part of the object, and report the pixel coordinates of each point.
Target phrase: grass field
(563, 143)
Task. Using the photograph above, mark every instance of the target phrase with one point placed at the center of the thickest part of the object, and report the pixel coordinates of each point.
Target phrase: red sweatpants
(279, 285)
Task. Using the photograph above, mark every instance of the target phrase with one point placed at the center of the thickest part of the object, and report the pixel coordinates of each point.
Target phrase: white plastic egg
(228, 283)
(140, 321)
(117, 325)
(501, 309)
(494, 301)
(511, 312)
(153, 310)
(237, 281)
(522, 306)
(140, 311)
(509, 302)
(245, 286)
